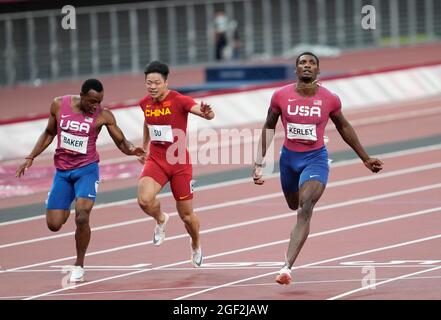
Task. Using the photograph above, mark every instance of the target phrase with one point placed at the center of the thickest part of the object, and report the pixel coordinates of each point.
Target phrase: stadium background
(114, 40)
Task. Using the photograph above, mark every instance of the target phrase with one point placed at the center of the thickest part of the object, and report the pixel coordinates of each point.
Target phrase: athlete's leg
(310, 193)
(151, 181)
(181, 185)
(312, 181)
(148, 188)
(86, 187)
(56, 218)
(310, 171)
(83, 207)
(191, 221)
(59, 200)
(289, 178)
(292, 199)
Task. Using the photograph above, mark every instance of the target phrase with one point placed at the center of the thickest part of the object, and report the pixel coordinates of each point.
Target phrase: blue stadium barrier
(249, 73)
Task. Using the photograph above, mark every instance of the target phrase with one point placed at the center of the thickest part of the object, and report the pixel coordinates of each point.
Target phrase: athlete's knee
(187, 218)
(307, 205)
(82, 217)
(293, 205)
(53, 226)
(146, 202)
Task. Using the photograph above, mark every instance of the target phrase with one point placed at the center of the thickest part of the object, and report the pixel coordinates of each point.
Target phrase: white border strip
(237, 202)
(342, 163)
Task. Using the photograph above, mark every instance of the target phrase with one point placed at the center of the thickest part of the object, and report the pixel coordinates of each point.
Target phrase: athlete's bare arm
(203, 110)
(44, 140)
(145, 143)
(267, 135)
(348, 134)
(145, 137)
(118, 136)
(266, 138)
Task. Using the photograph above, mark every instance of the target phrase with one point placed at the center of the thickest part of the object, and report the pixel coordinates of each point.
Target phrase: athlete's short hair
(157, 67)
(307, 53)
(91, 84)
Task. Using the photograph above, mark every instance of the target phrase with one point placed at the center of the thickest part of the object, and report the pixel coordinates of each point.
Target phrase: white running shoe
(77, 274)
(196, 256)
(284, 276)
(159, 233)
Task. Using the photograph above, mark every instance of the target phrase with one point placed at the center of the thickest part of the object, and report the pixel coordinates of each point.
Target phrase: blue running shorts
(72, 184)
(298, 167)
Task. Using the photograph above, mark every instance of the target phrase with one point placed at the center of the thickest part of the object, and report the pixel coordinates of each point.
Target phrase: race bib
(161, 133)
(298, 131)
(73, 143)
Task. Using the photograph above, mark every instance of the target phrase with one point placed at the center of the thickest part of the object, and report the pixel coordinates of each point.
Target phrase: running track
(384, 226)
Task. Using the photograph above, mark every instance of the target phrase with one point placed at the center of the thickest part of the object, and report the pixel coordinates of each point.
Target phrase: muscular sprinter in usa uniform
(76, 121)
(305, 108)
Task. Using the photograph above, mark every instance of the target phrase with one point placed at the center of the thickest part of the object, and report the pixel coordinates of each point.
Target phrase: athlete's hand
(258, 175)
(23, 167)
(142, 159)
(137, 151)
(373, 164)
(207, 111)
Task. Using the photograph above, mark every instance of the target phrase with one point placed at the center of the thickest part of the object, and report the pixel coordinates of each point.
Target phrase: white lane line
(237, 202)
(355, 122)
(206, 267)
(281, 134)
(134, 200)
(312, 264)
(412, 214)
(250, 222)
(387, 155)
(268, 284)
(383, 282)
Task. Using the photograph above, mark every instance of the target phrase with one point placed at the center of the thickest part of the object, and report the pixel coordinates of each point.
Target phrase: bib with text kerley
(161, 133)
(301, 131)
(74, 143)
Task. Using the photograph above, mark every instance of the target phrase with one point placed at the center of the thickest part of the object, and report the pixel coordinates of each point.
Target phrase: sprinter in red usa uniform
(165, 125)
(305, 108)
(76, 121)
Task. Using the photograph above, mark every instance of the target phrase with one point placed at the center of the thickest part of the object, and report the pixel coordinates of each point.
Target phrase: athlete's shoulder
(105, 116)
(177, 95)
(181, 99)
(58, 100)
(56, 104)
(327, 92)
(284, 89)
(145, 100)
(331, 97)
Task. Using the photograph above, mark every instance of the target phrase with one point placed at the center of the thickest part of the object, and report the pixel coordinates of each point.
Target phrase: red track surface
(391, 220)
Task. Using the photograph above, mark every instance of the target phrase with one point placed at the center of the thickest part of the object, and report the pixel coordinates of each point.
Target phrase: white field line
(387, 155)
(269, 284)
(375, 285)
(354, 226)
(236, 202)
(236, 225)
(356, 122)
(312, 264)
